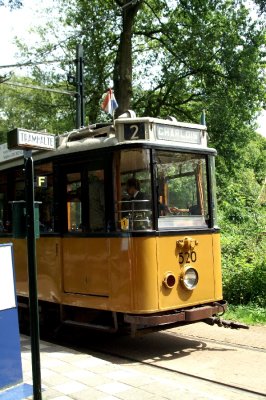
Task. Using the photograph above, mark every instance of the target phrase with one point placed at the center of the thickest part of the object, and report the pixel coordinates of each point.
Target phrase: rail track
(199, 378)
(221, 342)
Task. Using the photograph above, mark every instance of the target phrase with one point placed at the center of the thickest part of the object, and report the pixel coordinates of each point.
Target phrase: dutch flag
(109, 104)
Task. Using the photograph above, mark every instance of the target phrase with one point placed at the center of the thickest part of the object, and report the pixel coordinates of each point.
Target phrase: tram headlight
(190, 278)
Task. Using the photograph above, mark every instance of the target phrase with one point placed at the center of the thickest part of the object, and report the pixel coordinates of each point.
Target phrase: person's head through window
(133, 187)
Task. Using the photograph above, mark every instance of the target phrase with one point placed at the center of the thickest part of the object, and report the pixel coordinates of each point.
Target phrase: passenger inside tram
(135, 206)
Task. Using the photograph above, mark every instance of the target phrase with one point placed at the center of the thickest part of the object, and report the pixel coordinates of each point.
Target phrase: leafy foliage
(26, 108)
(186, 56)
(243, 223)
(262, 5)
(12, 4)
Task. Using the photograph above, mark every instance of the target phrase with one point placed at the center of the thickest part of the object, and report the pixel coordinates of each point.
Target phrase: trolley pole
(80, 105)
(32, 276)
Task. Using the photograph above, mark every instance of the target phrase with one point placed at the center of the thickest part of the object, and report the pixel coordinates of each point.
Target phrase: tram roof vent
(91, 131)
(128, 114)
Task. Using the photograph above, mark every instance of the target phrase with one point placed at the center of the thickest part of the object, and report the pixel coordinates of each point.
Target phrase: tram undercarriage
(54, 316)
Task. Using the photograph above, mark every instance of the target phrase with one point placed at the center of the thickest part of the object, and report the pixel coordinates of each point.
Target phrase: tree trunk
(123, 64)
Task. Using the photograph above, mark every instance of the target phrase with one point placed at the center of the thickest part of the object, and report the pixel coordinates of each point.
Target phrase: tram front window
(133, 205)
(182, 190)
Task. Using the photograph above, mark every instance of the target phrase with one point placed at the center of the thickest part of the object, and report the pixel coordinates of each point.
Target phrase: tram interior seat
(195, 209)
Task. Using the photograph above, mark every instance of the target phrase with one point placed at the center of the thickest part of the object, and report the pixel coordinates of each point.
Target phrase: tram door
(85, 248)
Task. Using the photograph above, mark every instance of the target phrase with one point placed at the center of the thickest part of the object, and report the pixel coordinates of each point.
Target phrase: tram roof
(124, 130)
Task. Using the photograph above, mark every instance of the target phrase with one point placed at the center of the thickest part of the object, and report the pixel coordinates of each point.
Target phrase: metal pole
(203, 118)
(32, 277)
(82, 94)
(80, 106)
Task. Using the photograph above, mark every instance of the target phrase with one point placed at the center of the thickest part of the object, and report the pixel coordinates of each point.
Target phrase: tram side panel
(121, 274)
(145, 271)
(48, 254)
(133, 276)
(48, 260)
(217, 262)
(117, 274)
(97, 273)
(85, 269)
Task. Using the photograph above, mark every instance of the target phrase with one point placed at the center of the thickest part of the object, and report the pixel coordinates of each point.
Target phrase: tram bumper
(145, 323)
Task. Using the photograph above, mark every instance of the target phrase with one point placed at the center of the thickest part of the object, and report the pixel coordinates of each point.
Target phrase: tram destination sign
(25, 139)
(178, 134)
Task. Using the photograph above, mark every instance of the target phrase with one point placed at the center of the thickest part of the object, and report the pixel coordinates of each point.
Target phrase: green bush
(242, 218)
(244, 284)
(244, 259)
(249, 314)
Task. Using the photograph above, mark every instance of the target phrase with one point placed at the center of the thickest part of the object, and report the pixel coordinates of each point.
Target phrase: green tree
(243, 221)
(33, 109)
(186, 56)
(12, 4)
(171, 58)
(262, 5)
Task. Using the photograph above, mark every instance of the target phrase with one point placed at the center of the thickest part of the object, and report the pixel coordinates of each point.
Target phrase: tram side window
(5, 226)
(182, 190)
(19, 185)
(44, 194)
(74, 208)
(133, 191)
(12, 188)
(96, 201)
(15, 191)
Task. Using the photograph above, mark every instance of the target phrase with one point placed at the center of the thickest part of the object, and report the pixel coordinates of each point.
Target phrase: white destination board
(36, 140)
(7, 287)
(24, 139)
(178, 134)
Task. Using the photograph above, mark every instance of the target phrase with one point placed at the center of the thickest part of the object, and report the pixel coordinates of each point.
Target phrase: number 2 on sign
(135, 129)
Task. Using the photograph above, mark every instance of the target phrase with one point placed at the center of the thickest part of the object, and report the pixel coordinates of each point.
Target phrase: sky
(262, 124)
(19, 23)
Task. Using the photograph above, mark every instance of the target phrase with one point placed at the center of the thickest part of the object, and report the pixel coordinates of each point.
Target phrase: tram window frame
(19, 184)
(185, 217)
(96, 200)
(133, 214)
(5, 209)
(74, 204)
(86, 169)
(212, 186)
(45, 194)
(15, 191)
(16, 188)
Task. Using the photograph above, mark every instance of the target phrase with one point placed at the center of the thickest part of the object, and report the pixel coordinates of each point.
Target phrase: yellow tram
(128, 234)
